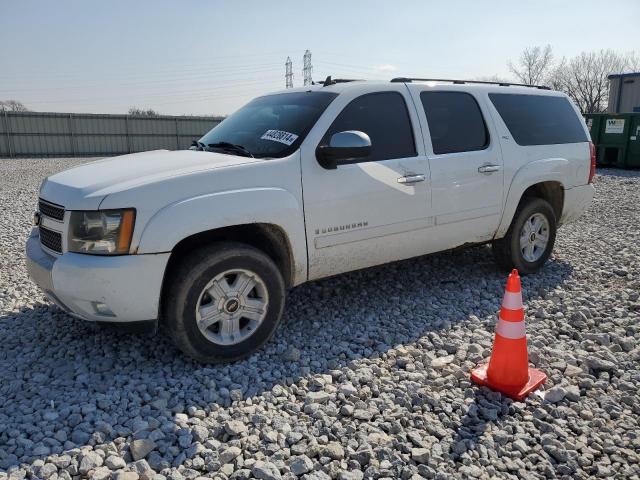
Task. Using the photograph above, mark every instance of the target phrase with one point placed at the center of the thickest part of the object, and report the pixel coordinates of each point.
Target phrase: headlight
(101, 232)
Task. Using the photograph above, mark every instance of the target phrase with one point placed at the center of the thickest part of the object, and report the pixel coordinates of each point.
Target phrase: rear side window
(384, 117)
(538, 119)
(455, 122)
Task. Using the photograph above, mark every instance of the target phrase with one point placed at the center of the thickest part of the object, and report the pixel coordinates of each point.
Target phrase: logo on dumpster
(614, 125)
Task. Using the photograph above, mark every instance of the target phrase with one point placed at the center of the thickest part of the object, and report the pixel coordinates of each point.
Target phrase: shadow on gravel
(486, 407)
(67, 383)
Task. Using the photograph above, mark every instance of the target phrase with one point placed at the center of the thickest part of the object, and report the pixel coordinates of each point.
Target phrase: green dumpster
(613, 137)
(616, 137)
(593, 124)
(633, 151)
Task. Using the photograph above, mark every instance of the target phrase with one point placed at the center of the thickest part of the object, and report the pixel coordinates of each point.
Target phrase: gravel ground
(368, 378)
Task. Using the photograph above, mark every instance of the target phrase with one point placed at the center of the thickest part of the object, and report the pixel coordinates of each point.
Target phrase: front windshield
(270, 126)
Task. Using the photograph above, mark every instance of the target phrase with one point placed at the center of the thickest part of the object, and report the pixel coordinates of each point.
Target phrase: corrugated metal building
(624, 93)
(24, 134)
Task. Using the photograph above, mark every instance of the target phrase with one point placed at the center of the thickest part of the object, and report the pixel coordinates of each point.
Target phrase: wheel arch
(540, 179)
(267, 218)
(266, 237)
(552, 191)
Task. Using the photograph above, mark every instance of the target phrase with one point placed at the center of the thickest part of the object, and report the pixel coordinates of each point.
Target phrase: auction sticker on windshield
(279, 136)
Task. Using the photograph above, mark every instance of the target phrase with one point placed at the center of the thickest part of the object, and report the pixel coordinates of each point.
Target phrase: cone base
(536, 378)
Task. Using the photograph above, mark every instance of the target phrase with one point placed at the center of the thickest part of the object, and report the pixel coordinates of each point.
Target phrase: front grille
(51, 210)
(50, 239)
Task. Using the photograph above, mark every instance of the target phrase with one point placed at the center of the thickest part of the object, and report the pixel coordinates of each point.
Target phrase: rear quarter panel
(525, 166)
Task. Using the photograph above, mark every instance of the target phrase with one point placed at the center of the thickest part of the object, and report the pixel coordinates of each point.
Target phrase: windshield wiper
(231, 147)
(197, 145)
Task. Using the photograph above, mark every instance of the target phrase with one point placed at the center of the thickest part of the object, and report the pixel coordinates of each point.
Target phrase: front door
(374, 210)
(466, 165)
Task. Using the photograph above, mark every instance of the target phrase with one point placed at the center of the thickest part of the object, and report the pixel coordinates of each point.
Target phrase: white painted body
(335, 221)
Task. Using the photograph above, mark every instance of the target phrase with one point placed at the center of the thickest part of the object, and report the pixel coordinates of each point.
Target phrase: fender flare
(202, 213)
(538, 171)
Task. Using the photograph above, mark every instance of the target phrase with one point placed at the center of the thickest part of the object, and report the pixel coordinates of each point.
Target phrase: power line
(265, 82)
(248, 94)
(164, 85)
(288, 73)
(210, 79)
(123, 65)
(156, 76)
(307, 69)
(367, 73)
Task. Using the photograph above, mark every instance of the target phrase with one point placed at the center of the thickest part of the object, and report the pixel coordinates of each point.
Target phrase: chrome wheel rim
(534, 237)
(232, 306)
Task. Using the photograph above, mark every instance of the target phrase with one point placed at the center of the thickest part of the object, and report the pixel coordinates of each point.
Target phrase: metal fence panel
(188, 126)
(143, 126)
(100, 125)
(38, 124)
(185, 142)
(88, 145)
(80, 134)
(32, 145)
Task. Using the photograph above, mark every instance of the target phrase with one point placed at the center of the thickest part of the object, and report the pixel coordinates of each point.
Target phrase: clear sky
(210, 57)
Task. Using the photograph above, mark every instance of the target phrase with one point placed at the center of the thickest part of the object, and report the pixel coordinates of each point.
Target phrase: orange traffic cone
(508, 369)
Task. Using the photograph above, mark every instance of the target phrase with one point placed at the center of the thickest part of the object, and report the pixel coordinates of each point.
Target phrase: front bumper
(576, 202)
(127, 287)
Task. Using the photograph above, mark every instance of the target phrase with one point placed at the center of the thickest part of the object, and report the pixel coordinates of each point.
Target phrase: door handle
(411, 179)
(488, 168)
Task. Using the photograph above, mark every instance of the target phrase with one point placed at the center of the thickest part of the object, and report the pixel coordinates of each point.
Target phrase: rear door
(465, 162)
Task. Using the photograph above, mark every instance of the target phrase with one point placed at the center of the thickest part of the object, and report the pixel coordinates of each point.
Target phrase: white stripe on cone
(511, 330)
(512, 300)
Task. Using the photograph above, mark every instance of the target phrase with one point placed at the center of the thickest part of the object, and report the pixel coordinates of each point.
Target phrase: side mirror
(343, 147)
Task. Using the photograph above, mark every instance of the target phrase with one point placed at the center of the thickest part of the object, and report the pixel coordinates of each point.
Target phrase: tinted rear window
(539, 120)
(455, 122)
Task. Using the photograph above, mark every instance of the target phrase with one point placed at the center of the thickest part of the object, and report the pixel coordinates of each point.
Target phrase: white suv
(304, 184)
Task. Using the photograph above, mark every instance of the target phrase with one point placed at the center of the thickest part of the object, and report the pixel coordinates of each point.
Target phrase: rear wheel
(224, 302)
(530, 238)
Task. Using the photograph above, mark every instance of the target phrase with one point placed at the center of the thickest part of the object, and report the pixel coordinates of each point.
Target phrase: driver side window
(384, 117)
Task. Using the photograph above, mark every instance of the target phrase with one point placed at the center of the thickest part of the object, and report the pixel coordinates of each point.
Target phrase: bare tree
(585, 77)
(141, 112)
(533, 66)
(12, 106)
(633, 62)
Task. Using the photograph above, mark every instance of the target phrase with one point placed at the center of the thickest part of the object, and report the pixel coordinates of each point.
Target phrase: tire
(507, 251)
(206, 284)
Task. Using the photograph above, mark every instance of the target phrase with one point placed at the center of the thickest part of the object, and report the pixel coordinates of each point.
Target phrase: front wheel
(530, 238)
(224, 302)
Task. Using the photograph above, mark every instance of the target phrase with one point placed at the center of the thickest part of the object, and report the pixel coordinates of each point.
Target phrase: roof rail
(461, 82)
(329, 81)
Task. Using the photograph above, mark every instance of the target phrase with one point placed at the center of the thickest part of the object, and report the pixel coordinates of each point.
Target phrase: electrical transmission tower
(307, 68)
(288, 73)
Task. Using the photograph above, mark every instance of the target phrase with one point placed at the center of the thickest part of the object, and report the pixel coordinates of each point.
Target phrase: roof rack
(329, 81)
(461, 82)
